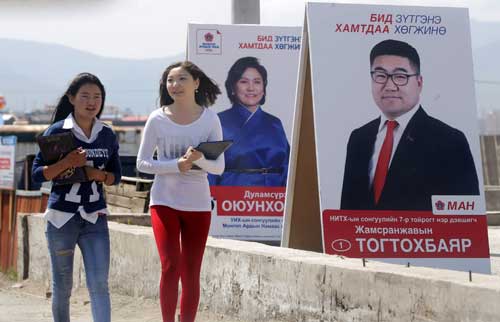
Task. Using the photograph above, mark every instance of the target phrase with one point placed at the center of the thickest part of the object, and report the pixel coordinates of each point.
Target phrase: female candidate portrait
(260, 151)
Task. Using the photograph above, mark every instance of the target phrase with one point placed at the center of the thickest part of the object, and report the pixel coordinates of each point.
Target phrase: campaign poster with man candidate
(256, 69)
(399, 164)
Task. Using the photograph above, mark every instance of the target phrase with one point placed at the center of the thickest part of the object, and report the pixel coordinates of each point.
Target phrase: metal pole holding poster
(245, 12)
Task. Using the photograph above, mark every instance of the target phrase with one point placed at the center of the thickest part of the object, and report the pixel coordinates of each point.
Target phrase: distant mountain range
(33, 74)
(487, 75)
(486, 52)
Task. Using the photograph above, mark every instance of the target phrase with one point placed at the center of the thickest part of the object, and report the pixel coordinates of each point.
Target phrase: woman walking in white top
(180, 196)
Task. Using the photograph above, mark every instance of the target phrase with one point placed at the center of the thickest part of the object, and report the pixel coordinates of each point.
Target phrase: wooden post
(302, 218)
(11, 209)
(1, 207)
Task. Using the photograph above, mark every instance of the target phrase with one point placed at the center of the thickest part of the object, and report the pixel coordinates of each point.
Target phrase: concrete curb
(256, 282)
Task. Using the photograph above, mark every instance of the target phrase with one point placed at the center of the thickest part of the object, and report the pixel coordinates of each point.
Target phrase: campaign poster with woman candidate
(400, 173)
(256, 69)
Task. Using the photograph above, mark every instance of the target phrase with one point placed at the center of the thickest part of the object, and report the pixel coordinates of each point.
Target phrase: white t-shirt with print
(187, 191)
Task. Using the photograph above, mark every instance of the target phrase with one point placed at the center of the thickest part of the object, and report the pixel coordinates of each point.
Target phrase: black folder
(55, 147)
(212, 150)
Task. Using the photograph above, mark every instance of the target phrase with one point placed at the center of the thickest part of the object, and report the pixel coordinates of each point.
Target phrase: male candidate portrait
(402, 158)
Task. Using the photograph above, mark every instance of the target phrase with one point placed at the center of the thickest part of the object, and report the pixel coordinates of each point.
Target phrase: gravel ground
(27, 302)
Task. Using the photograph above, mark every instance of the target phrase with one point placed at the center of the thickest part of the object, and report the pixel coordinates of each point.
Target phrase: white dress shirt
(403, 121)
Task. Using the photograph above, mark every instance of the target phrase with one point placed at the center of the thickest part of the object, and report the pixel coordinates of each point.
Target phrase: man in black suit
(402, 158)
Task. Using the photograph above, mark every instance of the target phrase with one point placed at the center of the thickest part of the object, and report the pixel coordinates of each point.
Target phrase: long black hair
(64, 106)
(207, 90)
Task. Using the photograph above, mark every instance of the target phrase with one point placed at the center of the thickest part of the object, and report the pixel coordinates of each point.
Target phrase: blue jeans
(93, 240)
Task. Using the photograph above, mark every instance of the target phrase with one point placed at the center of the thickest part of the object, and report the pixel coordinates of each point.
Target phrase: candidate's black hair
(236, 71)
(396, 48)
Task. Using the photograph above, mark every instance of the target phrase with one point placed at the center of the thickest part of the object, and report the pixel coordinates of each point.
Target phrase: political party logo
(209, 37)
(439, 205)
(458, 205)
(208, 42)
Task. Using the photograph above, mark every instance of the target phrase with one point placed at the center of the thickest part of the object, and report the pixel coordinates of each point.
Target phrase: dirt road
(27, 302)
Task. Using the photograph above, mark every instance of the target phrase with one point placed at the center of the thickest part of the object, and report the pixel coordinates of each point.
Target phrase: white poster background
(216, 54)
(342, 85)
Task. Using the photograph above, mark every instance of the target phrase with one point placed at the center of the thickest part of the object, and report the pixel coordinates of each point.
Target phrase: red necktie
(383, 160)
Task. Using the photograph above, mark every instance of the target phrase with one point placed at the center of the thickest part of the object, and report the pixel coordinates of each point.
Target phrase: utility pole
(245, 12)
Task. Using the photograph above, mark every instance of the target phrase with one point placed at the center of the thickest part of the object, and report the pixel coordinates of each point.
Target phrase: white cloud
(126, 28)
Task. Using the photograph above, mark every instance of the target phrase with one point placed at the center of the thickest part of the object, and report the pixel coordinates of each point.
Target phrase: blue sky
(157, 28)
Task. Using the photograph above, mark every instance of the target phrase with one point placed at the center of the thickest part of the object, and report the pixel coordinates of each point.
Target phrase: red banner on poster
(249, 201)
(5, 163)
(404, 234)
